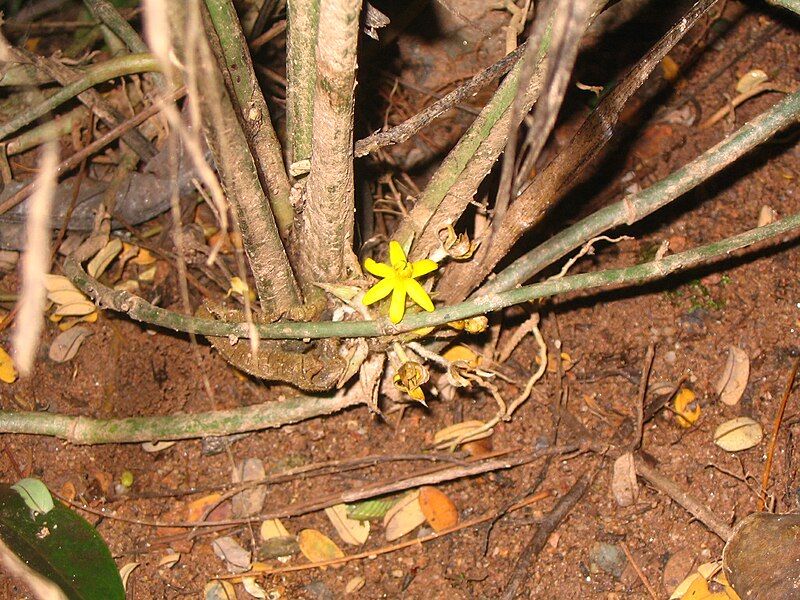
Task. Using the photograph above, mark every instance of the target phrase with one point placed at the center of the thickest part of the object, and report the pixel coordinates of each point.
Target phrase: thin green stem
(643, 203)
(116, 67)
(85, 430)
(140, 310)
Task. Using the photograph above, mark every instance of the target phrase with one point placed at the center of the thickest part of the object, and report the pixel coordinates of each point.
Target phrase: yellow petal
(419, 295)
(378, 269)
(423, 267)
(379, 291)
(396, 255)
(398, 306)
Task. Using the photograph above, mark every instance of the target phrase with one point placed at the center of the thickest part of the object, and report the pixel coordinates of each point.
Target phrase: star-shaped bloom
(399, 279)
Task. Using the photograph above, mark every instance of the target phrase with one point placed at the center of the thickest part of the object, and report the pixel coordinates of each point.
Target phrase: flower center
(405, 270)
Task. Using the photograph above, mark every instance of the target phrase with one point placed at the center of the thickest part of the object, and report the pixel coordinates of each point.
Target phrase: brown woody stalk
(327, 219)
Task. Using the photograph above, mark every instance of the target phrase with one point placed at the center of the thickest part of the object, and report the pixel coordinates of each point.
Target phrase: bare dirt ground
(751, 302)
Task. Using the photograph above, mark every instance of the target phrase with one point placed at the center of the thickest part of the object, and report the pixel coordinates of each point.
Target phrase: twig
(694, 506)
(140, 310)
(394, 547)
(775, 429)
(403, 131)
(639, 572)
(548, 524)
(740, 99)
(648, 364)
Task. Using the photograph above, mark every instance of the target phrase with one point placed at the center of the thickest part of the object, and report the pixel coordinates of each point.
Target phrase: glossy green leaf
(61, 546)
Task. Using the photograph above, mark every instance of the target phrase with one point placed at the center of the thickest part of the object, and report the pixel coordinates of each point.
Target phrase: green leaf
(35, 494)
(59, 545)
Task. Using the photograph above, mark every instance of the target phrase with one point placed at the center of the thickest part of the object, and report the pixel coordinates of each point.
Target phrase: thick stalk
(647, 201)
(253, 111)
(140, 310)
(301, 75)
(275, 283)
(327, 218)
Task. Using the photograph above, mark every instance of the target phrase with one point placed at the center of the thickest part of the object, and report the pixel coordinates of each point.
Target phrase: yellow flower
(399, 279)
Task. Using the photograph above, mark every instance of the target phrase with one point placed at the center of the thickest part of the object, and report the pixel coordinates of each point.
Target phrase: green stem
(48, 130)
(301, 75)
(85, 430)
(253, 111)
(651, 199)
(116, 67)
(140, 310)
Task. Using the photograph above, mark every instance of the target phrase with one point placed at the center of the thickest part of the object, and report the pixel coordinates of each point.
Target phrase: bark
(327, 219)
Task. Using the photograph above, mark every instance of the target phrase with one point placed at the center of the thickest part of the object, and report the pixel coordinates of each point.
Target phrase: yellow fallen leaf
(144, 258)
(687, 408)
(317, 546)
(102, 259)
(8, 373)
(403, 517)
(439, 510)
(698, 590)
(76, 309)
(68, 322)
(351, 531)
(273, 528)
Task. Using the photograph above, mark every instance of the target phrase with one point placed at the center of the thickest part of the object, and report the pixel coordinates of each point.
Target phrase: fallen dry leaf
(252, 587)
(750, 80)
(355, 584)
(738, 434)
(67, 344)
(170, 560)
(102, 259)
(351, 531)
(439, 510)
(403, 517)
(249, 501)
(273, 528)
(219, 589)
(237, 559)
(125, 572)
(318, 547)
(733, 380)
(624, 486)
